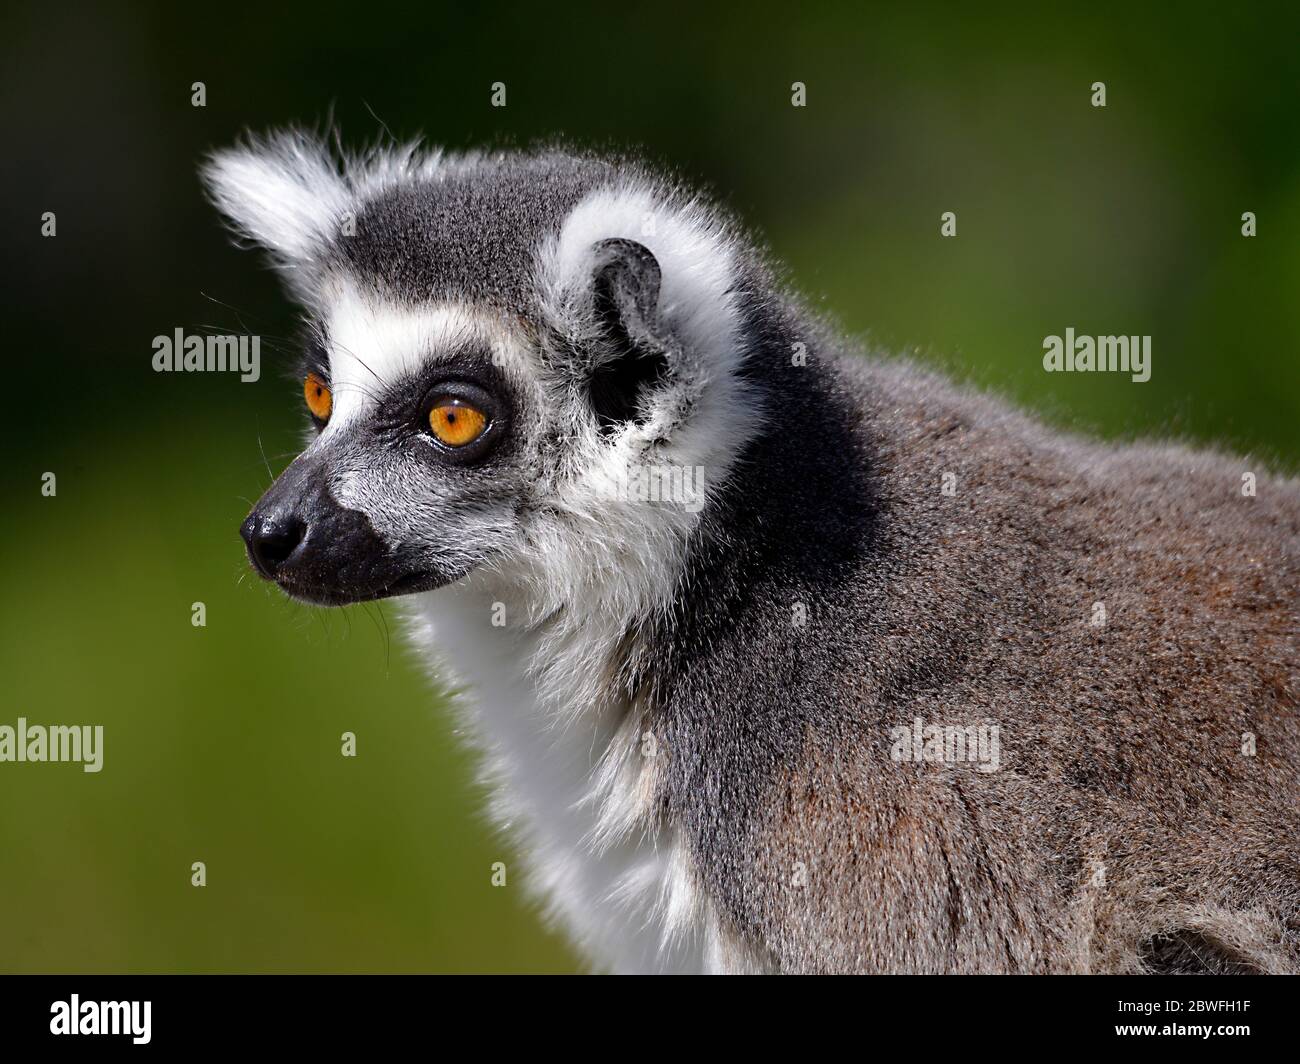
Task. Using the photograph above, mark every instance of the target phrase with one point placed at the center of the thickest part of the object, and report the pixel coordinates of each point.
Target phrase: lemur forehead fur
(692, 705)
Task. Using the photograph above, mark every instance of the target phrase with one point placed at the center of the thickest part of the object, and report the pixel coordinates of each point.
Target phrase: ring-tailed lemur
(736, 608)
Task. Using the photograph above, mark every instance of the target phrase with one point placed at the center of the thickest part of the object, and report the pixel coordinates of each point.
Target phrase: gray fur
(476, 237)
(1125, 807)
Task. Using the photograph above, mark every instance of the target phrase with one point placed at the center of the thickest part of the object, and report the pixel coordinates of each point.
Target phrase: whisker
(264, 459)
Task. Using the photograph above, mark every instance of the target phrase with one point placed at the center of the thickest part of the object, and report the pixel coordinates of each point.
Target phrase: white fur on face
(443, 519)
(374, 343)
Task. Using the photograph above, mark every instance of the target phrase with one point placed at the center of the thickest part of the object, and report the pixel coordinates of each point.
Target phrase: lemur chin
(739, 730)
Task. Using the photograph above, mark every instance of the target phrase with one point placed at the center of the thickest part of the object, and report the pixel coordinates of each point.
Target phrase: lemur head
(504, 352)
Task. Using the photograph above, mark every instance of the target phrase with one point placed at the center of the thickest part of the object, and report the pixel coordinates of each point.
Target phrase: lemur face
(426, 441)
(495, 341)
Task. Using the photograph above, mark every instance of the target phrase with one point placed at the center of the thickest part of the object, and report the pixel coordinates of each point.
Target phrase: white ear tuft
(283, 191)
(694, 251)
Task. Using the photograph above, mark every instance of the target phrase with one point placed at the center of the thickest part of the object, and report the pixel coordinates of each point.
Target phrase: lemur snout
(271, 540)
(322, 552)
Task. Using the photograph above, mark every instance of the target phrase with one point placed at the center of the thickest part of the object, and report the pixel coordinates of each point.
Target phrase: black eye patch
(403, 409)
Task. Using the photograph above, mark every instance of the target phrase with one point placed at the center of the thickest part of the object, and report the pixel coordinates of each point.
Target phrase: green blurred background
(222, 743)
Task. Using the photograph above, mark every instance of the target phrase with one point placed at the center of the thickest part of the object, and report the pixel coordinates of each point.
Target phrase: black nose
(271, 540)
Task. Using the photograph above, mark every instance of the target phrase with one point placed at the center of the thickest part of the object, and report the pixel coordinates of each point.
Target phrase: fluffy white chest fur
(572, 785)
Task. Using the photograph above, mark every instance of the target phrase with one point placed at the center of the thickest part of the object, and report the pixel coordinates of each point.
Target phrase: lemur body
(686, 713)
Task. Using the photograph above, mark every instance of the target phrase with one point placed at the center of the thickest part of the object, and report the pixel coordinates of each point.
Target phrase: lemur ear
(626, 281)
(283, 192)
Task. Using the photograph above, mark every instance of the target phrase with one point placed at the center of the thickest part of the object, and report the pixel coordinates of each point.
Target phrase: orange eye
(320, 401)
(455, 422)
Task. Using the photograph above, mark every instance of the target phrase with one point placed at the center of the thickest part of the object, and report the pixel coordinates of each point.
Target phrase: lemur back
(707, 720)
(1145, 803)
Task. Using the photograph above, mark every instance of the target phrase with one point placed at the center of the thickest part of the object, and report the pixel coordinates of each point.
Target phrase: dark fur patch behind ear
(625, 294)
